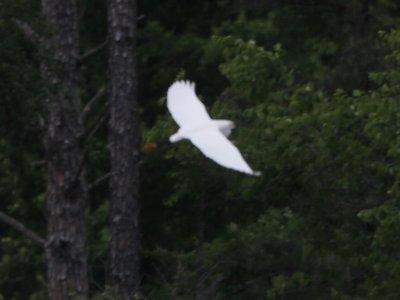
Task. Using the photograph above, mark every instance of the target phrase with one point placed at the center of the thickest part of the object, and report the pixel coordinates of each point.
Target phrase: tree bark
(66, 186)
(124, 148)
(201, 228)
(359, 38)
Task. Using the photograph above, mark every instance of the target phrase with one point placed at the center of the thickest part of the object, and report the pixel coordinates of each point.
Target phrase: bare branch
(80, 166)
(99, 121)
(100, 93)
(40, 121)
(21, 228)
(38, 163)
(87, 135)
(99, 180)
(171, 288)
(92, 51)
(29, 32)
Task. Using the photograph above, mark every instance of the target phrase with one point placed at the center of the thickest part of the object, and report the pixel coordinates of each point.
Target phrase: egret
(208, 135)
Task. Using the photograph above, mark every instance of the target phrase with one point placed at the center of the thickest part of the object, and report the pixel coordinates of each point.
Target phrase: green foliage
(316, 103)
(21, 180)
(327, 157)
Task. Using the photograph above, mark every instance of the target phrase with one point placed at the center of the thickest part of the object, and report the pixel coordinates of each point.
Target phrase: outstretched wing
(217, 147)
(184, 106)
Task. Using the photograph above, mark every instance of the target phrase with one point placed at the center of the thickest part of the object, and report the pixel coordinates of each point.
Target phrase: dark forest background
(314, 88)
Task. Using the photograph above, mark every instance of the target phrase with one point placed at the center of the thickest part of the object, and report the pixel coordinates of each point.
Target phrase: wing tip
(185, 83)
(250, 172)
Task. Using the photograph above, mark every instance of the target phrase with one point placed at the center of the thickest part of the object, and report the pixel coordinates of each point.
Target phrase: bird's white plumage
(184, 106)
(216, 146)
(206, 134)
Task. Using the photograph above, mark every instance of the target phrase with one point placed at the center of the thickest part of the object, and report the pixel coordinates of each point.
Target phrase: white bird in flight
(208, 135)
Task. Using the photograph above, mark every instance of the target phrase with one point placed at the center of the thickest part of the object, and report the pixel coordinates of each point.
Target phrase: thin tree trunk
(124, 148)
(66, 187)
(201, 227)
(359, 38)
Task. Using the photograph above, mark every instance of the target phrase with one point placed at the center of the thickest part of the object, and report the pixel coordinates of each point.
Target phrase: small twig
(28, 31)
(100, 93)
(99, 180)
(38, 163)
(99, 121)
(92, 51)
(21, 228)
(164, 279)
(102, 117)
(40, 121)
(80, 166)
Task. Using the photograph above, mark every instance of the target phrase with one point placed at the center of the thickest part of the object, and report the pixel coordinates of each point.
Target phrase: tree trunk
(66, 186)
(359, 42)
(124, 148)
(201, 228)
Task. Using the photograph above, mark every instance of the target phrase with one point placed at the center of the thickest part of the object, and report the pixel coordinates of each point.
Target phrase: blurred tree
(66, 186)
(124, 149)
